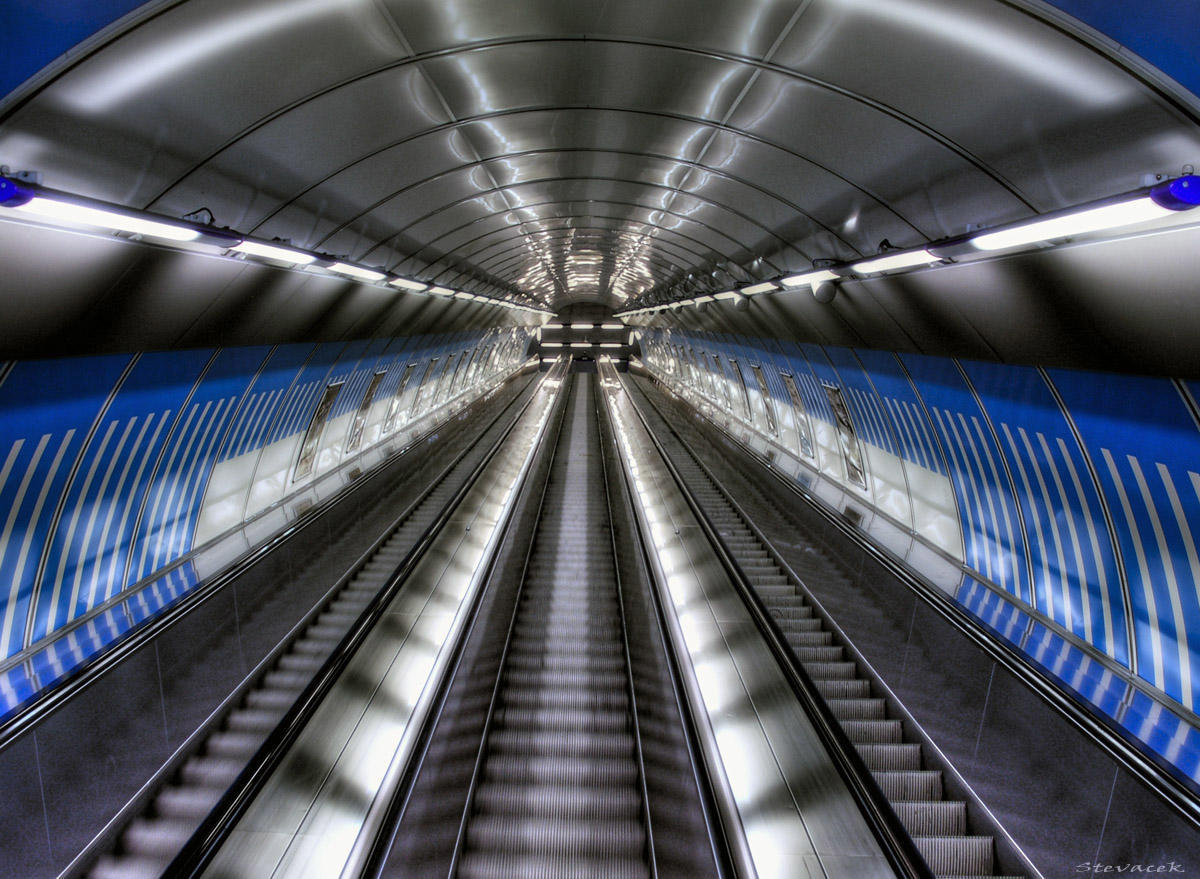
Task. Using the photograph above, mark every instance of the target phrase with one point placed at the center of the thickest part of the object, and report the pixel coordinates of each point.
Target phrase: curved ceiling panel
(603, 152)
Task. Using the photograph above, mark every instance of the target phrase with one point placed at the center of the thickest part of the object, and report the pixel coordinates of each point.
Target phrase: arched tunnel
(703, 438)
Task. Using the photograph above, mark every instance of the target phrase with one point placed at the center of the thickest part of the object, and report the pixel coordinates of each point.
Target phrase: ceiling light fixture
(353, 271)
(764, 287)
(275, 252)
(406, 284)
(60, 207)
(894, 261)
(810, 279)
(1180, 194)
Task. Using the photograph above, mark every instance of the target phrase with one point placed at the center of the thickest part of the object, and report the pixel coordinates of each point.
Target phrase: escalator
(914, 787)
(146, 846)
(559, 790)
(551, 733)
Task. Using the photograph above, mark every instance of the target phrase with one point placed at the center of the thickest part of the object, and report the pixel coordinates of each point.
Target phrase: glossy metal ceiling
(597, 151)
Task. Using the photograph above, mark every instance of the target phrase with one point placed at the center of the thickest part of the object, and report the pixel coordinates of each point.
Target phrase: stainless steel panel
(798, 130)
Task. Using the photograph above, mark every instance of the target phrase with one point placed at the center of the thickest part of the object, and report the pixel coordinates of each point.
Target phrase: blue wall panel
(1077, 581)
(48, 409)
(992, 528)
(916, 435)
(165, 529)
(104, 466)
(88, 554)
(1144, 443)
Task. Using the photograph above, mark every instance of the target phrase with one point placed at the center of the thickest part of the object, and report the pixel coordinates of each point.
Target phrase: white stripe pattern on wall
(1068, 514)
(102, 545)
(996, 486)
(124, 540)
(1063, 580)
(1147, 587)
(1094, 540)
(32, 527)
(1047, 581)
(964, 479)
(1172, 581)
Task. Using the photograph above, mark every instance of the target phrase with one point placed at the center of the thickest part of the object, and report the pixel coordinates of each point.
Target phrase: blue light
(1180, 194)
(13, 194)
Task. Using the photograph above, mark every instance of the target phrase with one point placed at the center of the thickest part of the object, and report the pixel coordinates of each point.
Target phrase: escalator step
(948, 818)
(590, 837)
(560, 718)
(186, 802)
(902, 756)
(841, 688)
(567, 743)
(507, 865)
(554, 801)
(156, 837)
(127, 867)
(874, 731)
(897, 785)
(957, 855)
(857, 709)
(236, 744)
(844, 671)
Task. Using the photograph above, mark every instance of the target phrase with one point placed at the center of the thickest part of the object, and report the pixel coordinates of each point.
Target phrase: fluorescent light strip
(441, 291)
(275, 252)
(764, 287)
(1112, 216)
(552, 344)
(66, 212)
(406, 284)
(728, 294)
(702, 299)
(612, 326)
(353, 271)
(581, 326)
(892, 262)
(581, 344)
(611, 345)
(809, 279)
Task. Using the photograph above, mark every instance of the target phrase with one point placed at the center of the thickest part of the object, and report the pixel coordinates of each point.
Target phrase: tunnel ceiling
(609, 153)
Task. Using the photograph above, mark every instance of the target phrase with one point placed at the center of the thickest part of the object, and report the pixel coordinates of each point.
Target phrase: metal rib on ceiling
(689, 144)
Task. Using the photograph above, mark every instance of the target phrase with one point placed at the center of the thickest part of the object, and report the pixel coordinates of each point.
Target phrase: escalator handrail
(206, 841)
(894, 839)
